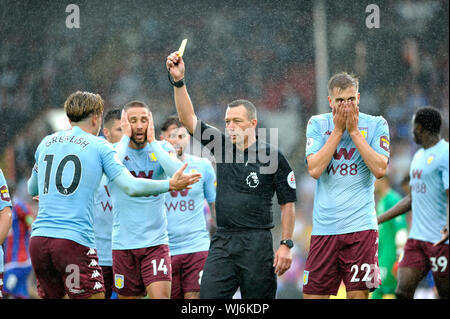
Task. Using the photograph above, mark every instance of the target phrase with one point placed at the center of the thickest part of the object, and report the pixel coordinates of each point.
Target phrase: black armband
(177, 84)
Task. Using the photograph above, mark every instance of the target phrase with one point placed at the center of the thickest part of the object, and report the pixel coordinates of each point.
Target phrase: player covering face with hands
(346, 151)
(141, 258)
(137, 124)
(69, 167)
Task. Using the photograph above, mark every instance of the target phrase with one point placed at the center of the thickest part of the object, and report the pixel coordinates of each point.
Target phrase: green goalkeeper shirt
(387, 249)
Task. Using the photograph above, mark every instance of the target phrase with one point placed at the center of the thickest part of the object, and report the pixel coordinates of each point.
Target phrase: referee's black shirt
(245, 181)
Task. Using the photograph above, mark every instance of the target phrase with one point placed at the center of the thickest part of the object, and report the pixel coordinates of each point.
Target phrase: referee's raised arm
(185, 109)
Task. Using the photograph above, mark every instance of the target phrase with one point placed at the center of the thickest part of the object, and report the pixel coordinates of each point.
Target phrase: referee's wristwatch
(289, 243)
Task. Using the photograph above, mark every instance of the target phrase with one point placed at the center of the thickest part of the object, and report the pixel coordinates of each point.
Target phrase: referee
(241, 251)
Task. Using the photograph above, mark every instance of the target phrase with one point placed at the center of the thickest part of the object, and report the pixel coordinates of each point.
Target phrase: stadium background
(263, 51)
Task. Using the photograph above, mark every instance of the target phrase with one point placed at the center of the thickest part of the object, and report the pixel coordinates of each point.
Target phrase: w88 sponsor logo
(180, 205)
(419, 188)
(343, 168)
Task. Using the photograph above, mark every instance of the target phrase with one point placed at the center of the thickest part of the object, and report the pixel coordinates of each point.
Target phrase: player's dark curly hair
(171, 120)
(111, 116)
(429, 118)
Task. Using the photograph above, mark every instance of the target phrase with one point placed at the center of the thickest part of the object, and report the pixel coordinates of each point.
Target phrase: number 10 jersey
(69, 167)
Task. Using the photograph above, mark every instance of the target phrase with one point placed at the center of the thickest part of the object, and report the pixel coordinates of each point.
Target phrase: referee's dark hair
(429, 118)
(251, 109)
(110, 116)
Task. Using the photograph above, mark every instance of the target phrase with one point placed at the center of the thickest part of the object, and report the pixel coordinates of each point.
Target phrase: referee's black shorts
(239, 259)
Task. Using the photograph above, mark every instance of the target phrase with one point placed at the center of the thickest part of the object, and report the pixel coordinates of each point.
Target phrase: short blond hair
(342, 81)
(80, 105)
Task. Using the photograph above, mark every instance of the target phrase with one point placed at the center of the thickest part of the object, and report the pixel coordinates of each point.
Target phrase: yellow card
(182, 46)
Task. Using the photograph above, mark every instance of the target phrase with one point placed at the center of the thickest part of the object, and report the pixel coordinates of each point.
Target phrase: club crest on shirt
(364, 132)
(152, 157)
(252, 180)
(305, 277)
(118, 281)
(430, 159)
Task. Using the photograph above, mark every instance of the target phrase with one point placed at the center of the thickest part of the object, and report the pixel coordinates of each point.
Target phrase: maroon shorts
(351, 258)
(63, 267)
(186, 273)
(135, 269)
(422, 255)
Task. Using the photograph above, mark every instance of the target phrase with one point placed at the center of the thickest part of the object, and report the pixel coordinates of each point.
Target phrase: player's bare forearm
(400, 208)
(319, 161)
(213, 227)
(185, 109)
(287, 220)
(444, 237)
(5, 223)
(212, 207)
(377, 163)
(283, 255)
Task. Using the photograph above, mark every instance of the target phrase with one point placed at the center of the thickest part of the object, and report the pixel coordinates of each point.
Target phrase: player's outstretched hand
(180, 181)
(124, 124)
(150, 129)
(282, 260)
(444, 238)
(175, 66)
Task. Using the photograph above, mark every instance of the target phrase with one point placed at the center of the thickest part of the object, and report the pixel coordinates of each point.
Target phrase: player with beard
(188, 234)
(69, 167)
(141, 259)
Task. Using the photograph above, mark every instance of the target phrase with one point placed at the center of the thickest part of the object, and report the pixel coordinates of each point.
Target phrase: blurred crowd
(260, 51)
